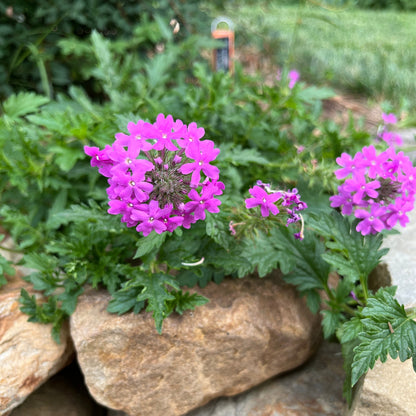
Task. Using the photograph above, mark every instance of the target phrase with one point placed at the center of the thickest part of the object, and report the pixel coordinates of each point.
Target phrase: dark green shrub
(405, 5)
(30, 58)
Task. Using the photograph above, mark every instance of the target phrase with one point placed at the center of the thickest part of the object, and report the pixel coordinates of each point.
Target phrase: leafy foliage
(351, 254)
(386, 330)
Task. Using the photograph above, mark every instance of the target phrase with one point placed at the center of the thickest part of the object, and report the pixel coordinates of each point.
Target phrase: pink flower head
(379, 191)
(293, 78)
(161, 175)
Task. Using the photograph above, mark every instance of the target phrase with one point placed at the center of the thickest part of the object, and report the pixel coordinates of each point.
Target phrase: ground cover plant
(364, 51)
(202, 176)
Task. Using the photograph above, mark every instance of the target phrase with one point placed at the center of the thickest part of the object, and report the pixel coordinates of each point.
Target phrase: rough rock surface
(251, 330)
(389, 389)
(28, 354)
(315, 389)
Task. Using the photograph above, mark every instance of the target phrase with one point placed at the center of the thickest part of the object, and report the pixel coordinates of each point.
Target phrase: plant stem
(363, 281)
(12, 250)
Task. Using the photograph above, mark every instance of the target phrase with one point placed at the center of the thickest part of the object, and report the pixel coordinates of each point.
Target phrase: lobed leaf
(23, 103)
(386, 330)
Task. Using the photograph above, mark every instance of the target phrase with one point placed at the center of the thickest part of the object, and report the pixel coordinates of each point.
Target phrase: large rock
(28, 354)
(251, 330)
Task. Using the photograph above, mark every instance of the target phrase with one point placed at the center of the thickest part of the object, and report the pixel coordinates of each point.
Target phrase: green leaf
(28, 303)
(23, 103)
(303, 264)
(150, 243)
(5, 269)
(125, 299)
(46, 312)
(69, 298)
(66, 157)
(41, 261)
(217, 229)
(237, 156)
(386, 330)
(331, 322)
(351, 254)
(157, 295)
(261, 253)
(186, 301)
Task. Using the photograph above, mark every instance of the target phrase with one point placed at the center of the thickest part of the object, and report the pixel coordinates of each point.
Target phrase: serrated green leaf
(69, 299)
(307, 270)
(41, 261)
(48, 120)
(386, 330)
(23, 103)
(125, 299)
(217, 229)
(28, 303)
(186, 301)
(348, 336)
(5, 268)
(66, 157)
(152, 242)
(350, 253)
(157, 295)
(261, 254)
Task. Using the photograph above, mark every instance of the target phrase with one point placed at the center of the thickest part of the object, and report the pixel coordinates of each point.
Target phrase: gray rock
(401, 261)
(315, 389)
(64, 394)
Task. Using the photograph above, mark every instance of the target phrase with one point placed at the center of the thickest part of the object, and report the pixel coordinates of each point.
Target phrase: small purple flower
(360, 188)
(389, 118)
(202, 153)
(265, 200)
(151, 218)
(199, 203)
(391, 138)
(371, 223)
(293, 78)
(349, 165)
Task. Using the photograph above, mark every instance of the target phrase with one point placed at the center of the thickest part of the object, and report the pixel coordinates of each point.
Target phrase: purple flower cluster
(379, 189)
(160, 175)
(277, 201)
(390, 137)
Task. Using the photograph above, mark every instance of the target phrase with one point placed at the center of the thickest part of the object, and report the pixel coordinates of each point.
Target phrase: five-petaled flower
(264, 199)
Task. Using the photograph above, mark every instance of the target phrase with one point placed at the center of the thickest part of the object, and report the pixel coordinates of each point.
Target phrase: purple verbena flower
(160, 175)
